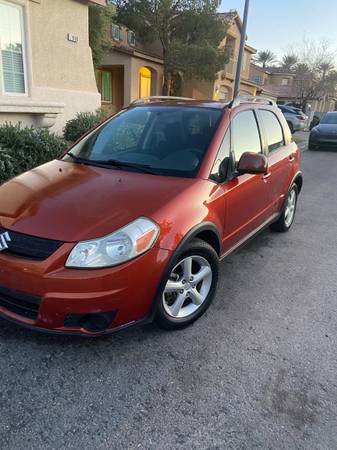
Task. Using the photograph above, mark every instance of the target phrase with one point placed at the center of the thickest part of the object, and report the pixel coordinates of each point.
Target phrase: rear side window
(272, 130)
(245, 134)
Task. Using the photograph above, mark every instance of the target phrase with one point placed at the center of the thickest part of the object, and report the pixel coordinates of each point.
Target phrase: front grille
(24, 305)
(31, 247)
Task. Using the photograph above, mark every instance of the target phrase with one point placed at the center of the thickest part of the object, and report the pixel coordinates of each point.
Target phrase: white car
(296, 119)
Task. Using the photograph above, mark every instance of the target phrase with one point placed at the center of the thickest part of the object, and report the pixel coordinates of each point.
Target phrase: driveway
(257, 371)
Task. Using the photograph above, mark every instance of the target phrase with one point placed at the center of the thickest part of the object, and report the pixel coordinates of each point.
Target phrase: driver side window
(245, 134)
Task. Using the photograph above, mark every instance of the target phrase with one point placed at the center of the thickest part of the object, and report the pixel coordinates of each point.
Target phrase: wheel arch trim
(298, 176)
(189, 236)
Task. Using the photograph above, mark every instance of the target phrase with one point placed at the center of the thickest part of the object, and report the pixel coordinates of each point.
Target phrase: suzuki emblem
(4, 239)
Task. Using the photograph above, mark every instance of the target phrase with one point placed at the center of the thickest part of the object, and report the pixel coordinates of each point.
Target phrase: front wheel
(287, 216)
(190, 286)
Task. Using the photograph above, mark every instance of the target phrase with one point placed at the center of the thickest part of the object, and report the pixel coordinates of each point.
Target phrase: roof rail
(251, 98)
(139, 101)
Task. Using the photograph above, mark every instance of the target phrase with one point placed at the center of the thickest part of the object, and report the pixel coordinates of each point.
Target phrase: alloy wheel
(187, 287)
(290, 207)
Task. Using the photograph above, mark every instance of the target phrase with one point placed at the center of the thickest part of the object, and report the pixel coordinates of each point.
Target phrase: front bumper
(124, 293)
(321, 140)
(299, 125)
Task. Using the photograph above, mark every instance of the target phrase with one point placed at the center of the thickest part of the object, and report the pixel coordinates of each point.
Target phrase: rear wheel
(190, 287)
(287, 216)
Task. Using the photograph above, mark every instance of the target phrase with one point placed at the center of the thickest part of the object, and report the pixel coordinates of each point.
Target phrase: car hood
(326, 128)
(71, 202)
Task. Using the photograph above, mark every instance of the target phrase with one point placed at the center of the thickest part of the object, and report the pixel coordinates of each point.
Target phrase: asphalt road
(257, 371)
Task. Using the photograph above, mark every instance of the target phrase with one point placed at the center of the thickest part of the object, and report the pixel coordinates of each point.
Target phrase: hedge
(22, 148)
(82, 122)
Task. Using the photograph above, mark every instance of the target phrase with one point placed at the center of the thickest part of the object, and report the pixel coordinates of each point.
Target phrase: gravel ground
(257, 371)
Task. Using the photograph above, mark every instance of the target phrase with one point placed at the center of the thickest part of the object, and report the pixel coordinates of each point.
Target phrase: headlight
(116, 248)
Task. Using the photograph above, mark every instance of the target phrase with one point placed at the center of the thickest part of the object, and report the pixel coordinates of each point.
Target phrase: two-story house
(129, 70)
(283, 84)
(277, 82)
(46, 68)
(223, 86)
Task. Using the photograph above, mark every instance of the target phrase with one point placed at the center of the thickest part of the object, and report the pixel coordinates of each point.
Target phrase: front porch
(126, 76)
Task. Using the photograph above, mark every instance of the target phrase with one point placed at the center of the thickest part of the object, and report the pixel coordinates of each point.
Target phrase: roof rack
(139, 101)
(251, 98)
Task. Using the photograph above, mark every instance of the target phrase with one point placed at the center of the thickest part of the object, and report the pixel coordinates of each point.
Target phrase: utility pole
(241, 52)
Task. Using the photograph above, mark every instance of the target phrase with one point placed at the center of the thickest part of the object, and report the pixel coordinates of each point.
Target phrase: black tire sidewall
(194, 248)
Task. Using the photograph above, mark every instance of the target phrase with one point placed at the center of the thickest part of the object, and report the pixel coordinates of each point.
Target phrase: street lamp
(241, 52)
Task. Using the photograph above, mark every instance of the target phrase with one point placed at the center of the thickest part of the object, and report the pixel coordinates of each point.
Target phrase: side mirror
(253, 163)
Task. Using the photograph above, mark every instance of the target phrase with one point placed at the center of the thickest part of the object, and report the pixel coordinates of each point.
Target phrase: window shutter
(106, 86)
(13, 72)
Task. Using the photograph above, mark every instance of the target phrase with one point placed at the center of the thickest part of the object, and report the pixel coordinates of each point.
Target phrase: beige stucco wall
(59, 73)
(57, 62)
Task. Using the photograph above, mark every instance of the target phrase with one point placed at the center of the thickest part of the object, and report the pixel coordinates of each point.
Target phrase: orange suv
(131, 223)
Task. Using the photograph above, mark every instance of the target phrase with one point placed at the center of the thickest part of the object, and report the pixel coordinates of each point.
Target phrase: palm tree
(289, 61)
(265, 58)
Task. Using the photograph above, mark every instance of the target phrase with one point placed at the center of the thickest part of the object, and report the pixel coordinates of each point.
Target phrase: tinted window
(330, 118)
(169, 140)
(245, 134)
(222, 156)
(272, 129)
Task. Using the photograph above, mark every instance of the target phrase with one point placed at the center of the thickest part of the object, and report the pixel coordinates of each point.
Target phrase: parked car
(325, 133)
(315, 121)
(131, 223)
(298, 111)
(296, 121)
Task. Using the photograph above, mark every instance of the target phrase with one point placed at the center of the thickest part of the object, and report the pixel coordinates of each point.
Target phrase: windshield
(330, 118)
(167, 140)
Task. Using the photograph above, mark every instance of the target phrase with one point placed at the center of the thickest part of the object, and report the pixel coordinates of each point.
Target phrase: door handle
(266, 175)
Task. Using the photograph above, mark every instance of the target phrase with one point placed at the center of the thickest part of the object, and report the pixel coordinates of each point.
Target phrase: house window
(257, 79)
(285, 81)
(12, 71)
(116, 32)
(131, 38)
(104, 84)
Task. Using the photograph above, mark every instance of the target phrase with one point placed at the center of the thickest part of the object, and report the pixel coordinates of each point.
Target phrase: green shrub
(22, 149)
(81, 123)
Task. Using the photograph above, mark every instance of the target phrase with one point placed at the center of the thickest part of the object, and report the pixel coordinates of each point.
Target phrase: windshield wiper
(115, 163)
(77, 158)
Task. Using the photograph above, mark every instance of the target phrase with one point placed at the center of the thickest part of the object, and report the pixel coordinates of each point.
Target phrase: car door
(248, 199)
(281, 156)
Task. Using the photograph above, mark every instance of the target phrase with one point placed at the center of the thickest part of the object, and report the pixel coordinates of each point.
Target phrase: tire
(181, 302)
(291, 126)
(312, 146)
(284, 222)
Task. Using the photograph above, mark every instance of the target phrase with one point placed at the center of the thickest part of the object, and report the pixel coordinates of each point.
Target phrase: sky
(278, 24)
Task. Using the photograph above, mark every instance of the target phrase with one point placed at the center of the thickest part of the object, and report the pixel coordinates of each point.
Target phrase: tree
(316, 75)
(189, 33)
(289, 61)
(265, 58)
(100, 19)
